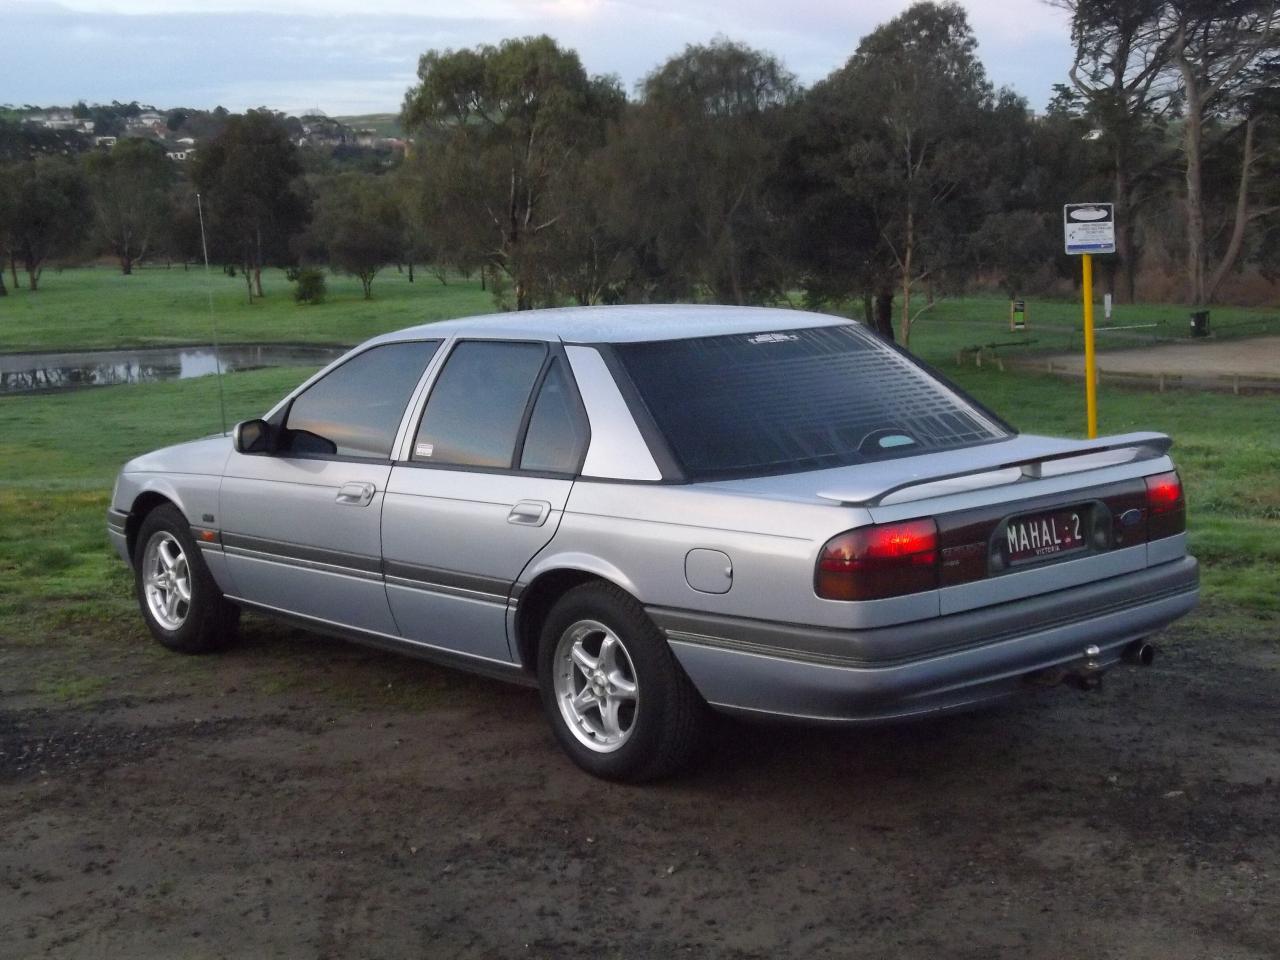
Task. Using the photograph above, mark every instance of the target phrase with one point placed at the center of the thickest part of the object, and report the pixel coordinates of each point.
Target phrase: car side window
(477, 405)
(558, 433)
(355, 409)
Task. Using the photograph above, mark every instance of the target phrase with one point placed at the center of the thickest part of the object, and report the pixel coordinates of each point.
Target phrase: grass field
(98, 307)
(59, 453)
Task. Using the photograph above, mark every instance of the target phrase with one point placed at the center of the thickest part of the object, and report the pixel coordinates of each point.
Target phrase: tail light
(1166, 506)
(887, 560)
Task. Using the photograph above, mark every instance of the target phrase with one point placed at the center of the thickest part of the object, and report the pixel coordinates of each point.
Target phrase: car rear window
(796, 400)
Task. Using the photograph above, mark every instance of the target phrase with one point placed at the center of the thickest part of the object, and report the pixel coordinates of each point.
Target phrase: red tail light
(880, 561)
(1166, 507)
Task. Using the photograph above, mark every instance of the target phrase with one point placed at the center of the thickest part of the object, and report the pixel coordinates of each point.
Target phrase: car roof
(633, 323)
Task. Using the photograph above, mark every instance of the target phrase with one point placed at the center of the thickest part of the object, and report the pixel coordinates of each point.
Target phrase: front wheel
(618, 702)
(180, 602)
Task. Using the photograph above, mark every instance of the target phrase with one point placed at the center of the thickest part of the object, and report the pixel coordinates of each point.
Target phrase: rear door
(301, 527)
(481, 490)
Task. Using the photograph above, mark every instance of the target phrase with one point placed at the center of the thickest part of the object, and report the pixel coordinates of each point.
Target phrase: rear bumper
(944, 664)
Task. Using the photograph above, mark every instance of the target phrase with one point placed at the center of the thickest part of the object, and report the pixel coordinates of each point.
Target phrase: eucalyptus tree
(1121, 70)
(357, 224)
(48, 213)
(915, 119)
(131, 187)
(706, 143)
(249, 176)
(1227, 57)
(498, 125)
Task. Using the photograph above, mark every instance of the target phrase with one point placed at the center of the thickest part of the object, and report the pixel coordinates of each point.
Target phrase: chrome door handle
(530, 513)
(356, 494)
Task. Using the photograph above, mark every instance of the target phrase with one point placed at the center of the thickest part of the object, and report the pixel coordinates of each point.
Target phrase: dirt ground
(298, 797)
(1254, 358)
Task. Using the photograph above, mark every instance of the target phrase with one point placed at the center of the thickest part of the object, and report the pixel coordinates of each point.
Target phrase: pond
(38, 372)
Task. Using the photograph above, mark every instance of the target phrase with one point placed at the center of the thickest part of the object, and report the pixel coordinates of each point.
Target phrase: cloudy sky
(296, 54)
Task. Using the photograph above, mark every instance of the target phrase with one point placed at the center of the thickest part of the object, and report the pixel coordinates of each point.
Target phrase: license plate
(1040, 535)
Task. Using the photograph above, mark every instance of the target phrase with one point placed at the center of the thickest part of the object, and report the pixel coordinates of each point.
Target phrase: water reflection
(37, 372)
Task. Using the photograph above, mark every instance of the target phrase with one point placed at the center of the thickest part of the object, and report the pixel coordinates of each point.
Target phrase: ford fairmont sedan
(653, 512)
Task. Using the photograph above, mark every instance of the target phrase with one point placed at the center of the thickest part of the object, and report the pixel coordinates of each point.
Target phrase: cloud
(282, 52)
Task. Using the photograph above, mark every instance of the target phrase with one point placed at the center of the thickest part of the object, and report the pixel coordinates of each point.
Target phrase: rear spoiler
(1052, 459)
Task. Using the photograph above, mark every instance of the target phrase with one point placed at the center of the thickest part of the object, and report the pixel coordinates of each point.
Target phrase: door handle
(530, 513)
(356, 494)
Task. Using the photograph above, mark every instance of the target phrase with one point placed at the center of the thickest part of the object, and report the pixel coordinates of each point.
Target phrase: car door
(301, 526)
(480, 491)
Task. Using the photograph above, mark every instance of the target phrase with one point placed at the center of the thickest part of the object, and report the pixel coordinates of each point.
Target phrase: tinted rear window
(796, 400)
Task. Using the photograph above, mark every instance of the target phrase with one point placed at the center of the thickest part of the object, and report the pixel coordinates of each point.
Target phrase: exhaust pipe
(1139, 653)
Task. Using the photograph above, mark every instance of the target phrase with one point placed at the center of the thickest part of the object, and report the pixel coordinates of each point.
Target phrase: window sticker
(423, 449)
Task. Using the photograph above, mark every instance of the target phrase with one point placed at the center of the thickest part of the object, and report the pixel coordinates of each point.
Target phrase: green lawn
(99, 307)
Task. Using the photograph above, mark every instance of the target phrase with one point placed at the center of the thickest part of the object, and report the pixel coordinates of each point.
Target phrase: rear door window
(795, 400)
(355, 410)
(477, 406)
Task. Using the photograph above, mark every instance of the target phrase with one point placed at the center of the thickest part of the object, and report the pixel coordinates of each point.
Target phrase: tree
(915, 112)
(49, 213)
(1227, 57)
(247, 176)
(498, 124)
(130, 186)
(358, 226)
(704, 149)
(6, 221)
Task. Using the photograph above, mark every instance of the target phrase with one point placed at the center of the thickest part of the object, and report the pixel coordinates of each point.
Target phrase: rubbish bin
(1200, 323)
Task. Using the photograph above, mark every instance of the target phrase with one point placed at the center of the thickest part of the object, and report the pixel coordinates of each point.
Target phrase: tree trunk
(13, 269)
(4, 291)
(1236, 243)
(1193, 145)
(908, 251)
(248, 278)
(1126, 274)
(33, 275)
(482, 280)
(126, 264)
(411, 271)
(257, 263)
(884, 312)
(367, 283)
(868, 309)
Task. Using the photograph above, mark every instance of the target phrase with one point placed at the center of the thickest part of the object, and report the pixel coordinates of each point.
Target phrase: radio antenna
(213, 317)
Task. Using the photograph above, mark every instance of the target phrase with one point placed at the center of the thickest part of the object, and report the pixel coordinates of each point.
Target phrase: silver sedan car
(652, 512)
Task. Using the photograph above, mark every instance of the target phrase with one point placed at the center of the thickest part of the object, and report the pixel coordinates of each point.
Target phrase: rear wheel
(618, 702)
(180, 602)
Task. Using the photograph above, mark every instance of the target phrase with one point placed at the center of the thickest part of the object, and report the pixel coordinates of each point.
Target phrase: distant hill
(385, 124)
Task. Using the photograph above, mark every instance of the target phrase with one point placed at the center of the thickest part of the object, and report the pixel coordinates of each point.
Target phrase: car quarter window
(557, 437)
(355, 409)
(477, 406)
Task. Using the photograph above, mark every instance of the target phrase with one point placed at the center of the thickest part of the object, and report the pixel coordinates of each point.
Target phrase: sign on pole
(1089, 227)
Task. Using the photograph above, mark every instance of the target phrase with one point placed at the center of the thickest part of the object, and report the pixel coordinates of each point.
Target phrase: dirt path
(218, 817)
(1258, 357)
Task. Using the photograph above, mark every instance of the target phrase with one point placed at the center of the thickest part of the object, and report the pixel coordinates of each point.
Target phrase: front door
(489, 471)
(301, 527)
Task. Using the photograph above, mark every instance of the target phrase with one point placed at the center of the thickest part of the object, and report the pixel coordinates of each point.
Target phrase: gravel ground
(231, 818)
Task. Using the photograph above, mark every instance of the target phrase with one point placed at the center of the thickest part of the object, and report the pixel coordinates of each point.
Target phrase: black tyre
(181, 603)
(618, 702)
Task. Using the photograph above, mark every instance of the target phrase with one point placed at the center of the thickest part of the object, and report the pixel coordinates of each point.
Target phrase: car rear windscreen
(794, 400)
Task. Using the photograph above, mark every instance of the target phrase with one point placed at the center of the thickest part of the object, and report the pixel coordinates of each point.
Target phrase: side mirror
(253, 436)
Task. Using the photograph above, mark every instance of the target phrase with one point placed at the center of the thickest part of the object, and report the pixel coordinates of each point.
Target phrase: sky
(294, 55)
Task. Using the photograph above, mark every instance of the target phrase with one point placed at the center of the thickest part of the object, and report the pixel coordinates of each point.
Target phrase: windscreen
(794, 400)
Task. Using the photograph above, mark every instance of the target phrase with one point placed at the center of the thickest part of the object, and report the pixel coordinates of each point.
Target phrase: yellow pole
(1090, 368)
